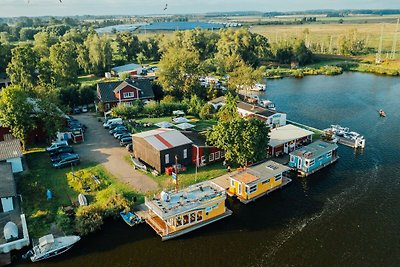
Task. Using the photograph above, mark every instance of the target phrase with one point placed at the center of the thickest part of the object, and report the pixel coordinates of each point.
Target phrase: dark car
(115, 125)
(119, 137)
(76, 110)
(73, 159)
(61, 156)
(61, 150)
(125, 141)
(118, 129)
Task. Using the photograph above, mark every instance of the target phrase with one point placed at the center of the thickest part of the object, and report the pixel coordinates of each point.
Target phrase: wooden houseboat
(256, 181)
(172, 214)
(313, 157)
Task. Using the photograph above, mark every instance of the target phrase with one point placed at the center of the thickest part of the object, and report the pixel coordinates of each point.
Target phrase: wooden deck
(223, 181)
(141, 211)
(285, 181)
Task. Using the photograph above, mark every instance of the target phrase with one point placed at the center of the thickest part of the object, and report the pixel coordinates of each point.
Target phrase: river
(347, 214)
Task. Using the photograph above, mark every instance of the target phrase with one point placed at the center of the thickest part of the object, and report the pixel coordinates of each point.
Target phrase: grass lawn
(92, 80)
(189, 176)
(33, 185)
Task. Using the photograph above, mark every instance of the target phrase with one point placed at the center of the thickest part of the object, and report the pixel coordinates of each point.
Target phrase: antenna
(378, 58)
(396, 34)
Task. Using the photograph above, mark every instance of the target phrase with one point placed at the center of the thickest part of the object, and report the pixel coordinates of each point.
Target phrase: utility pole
(378, 58)
(396, 33)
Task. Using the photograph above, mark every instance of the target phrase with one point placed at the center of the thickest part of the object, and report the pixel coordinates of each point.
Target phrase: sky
(10, 8)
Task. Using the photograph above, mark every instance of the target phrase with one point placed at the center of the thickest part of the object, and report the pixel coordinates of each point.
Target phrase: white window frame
(217, 155)
(166, 158)
(185, 153)
(211, 157)
(232, 183)
(329, 154)
(129, 94)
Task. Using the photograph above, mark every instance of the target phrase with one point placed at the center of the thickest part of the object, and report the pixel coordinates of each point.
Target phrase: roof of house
(197, 138)
(314, 150)
(287, 133)
(253, 174)
(162, 139)
(7, 183)
(255, 109)
(127, 67)
(107, 89)
(217, 100)
(190, 198)
(10, 149)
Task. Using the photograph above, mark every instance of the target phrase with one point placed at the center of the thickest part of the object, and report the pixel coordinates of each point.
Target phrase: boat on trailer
(50, 246)
(130, 218)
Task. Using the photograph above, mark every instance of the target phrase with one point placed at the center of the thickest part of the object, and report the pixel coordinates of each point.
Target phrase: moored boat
(130, 218)
(49, 246)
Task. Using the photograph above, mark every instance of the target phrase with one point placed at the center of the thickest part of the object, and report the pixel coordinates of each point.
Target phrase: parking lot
(101, 147)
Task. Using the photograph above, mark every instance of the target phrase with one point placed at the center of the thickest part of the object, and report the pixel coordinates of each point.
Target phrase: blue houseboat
(313, 157)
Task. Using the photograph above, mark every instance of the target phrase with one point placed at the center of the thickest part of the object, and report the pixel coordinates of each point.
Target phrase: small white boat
(268, 104)
(138, 164)
(49, 247)
(82, 200)
(258, 87)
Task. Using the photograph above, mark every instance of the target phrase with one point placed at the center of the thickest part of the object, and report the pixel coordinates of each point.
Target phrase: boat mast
(396, 33)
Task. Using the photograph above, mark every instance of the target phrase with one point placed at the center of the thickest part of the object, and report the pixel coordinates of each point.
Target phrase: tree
(206, 112)
(27, 34)
(301, 53)
(229, 110)
(244, 76)
(16, 112)
(5, 56)
(128, 46)
(99, 53)
(43, 42)
(244, 140)
(179, 72)
(22, 68)
(63, 62)
(88, 219)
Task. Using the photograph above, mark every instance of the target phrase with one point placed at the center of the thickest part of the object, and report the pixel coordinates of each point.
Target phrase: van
(111, 121)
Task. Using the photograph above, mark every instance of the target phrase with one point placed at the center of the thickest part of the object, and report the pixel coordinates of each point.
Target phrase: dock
(142, 211)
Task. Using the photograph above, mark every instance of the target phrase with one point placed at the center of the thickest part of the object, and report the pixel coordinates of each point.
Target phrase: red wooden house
(203, 154)
(125, 92)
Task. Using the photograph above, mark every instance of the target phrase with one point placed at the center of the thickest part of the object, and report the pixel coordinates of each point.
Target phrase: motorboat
(130, 218)
(258, 87)
(268, 104)
(50, 246)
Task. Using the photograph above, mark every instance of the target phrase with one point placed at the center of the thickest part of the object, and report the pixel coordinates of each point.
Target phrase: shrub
(63, 221)
(111, 202)
(206, 112)
(88, 219)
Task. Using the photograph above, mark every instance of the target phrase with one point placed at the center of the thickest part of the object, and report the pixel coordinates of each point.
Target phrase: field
(322, 33)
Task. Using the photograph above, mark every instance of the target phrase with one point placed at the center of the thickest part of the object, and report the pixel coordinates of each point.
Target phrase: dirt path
(101, 147)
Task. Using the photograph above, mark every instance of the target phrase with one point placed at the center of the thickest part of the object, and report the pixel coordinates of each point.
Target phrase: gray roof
(314, 150)
(106, 89)
(7, 183)
(255, 109)
(10, 149)
(127, 67)
(287, 133)
(191, 198)
(162, 139)
(262, 171)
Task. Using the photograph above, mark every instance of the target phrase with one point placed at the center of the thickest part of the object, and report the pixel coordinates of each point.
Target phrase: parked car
(112, 121)
(67, 161)
(84, 109)
(76, 110)
(61, 156)
(114, 125)
(124, 136)
(125, 141)
(119, 134)
(65, 149)
(56, 145)
(118, 129)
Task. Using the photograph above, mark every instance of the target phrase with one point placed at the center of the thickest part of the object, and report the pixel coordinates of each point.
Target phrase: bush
(111, 202)
(206, 112)
(63, 221)
(128, 112)
(88, 219)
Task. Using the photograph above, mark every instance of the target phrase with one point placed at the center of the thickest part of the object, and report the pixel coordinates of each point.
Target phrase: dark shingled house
(112, 94)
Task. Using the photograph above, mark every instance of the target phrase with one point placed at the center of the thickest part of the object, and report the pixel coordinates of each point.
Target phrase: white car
(84, 109)
(56, 145)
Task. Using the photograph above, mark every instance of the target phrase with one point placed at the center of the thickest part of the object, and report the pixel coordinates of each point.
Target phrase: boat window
(185, 219)
(192, 217)
(179, 221)
(266, 181)
(199, 216)
(291, 158)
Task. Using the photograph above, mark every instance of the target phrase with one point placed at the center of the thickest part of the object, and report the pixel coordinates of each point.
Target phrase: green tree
(206, 112)
(16, 112)
(43, 42)
(63, 62)
(229, 110)
(27, 34)
(22, 68)
(99, 53)
(5, 56)
(128, 46)
(244, 140)
(244, 76)
(88, 219)
(179, 72)
(301, 53)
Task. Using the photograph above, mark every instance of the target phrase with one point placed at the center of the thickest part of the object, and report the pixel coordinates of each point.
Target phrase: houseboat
(256, 181)
(313, 157)
(172, 214)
